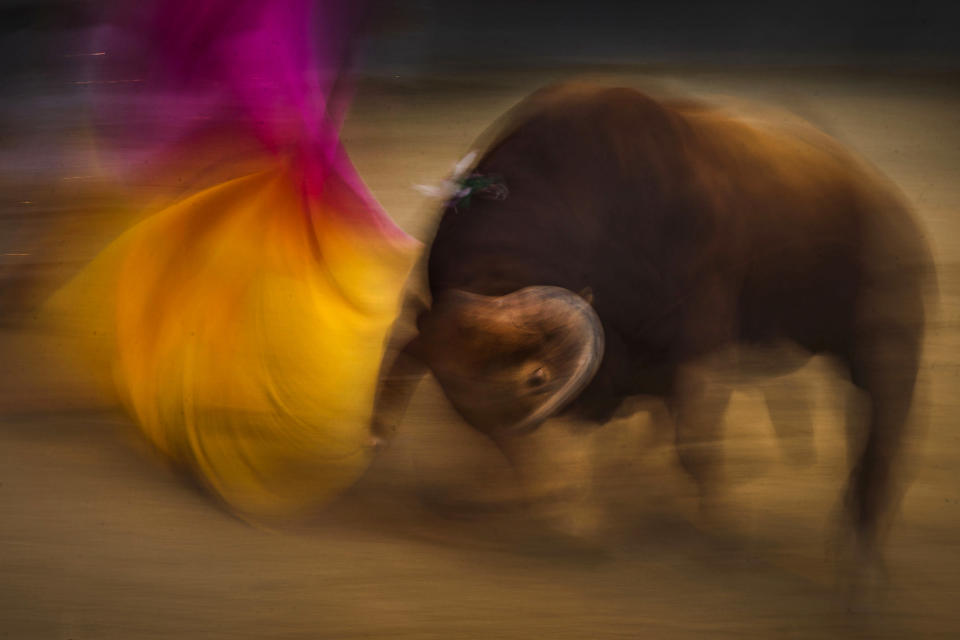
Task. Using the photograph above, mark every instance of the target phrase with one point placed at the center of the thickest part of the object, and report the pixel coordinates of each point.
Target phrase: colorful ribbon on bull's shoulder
(243, 325)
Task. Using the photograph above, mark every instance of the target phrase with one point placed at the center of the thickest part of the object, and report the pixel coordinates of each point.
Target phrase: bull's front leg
(396, 386)
(697, 402)
(554, 467)
(697, 407)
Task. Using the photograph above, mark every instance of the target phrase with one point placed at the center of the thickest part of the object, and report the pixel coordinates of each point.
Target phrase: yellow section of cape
(244, 328)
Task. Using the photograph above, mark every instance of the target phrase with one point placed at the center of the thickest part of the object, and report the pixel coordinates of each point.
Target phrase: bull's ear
(587, 294)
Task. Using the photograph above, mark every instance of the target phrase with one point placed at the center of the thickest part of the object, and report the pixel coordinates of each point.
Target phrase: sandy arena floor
(100, 539)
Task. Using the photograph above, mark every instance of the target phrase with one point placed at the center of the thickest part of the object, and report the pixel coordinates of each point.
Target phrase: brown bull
(606, 243)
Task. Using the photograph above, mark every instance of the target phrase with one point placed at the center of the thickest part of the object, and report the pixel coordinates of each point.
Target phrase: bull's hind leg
(884, 366)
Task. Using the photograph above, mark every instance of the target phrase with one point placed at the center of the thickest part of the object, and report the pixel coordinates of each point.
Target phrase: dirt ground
(100, 539)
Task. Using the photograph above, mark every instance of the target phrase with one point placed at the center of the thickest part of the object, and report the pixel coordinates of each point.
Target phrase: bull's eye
(537, 379)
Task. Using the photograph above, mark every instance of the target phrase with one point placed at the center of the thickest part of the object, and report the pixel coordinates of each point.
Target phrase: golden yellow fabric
(243, 327)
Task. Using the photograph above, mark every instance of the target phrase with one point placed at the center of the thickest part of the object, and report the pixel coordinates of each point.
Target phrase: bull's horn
(582, 328)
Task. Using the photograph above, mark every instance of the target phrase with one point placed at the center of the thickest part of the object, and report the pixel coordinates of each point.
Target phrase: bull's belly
(746, 363)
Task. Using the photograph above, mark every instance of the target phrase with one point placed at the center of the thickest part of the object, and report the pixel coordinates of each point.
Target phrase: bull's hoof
(861, 575)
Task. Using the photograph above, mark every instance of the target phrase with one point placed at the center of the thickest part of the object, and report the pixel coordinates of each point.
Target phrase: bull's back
(821, 236)
(644, 203)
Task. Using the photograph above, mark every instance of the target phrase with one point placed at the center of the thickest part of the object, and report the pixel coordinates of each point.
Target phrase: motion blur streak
(243, 325)
(102, 538)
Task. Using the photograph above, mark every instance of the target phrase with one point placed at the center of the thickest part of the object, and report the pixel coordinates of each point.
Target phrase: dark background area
(460, 35)
(504, 32)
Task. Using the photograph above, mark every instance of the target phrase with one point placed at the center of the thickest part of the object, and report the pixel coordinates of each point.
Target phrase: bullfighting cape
(243, 324)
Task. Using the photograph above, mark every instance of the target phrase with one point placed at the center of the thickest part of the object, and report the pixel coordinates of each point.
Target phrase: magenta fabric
(277, 71)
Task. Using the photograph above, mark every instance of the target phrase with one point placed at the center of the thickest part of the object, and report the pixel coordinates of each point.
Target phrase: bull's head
(507, 363)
